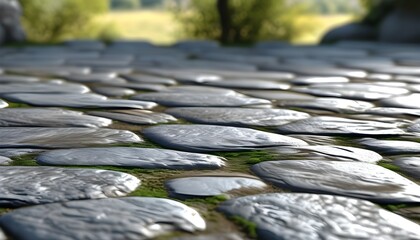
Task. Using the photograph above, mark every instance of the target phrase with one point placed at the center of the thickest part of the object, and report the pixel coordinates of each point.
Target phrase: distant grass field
(161, 27)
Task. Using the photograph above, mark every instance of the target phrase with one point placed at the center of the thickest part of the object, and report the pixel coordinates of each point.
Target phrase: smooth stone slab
(42, 117)
(331, 152)
(390, 147)
(207, 138)
(51, 87)
(337, 105)
(142, 117)
(200, 100)
(211, 185)
(410, 165)
(144, 78)
(77, 101)
(22, 186)
(390, 111)
(140, 86)
(359, 91)
(311, 70)
(113, 91)
(150, 158)
(406, 101)
(227, 236)
(325, 125)
(237, 116)
(318, 80)
(48, 70)
(34, 137)
(130, 218)
(353, 179)
(17, 79)
(93, 78)
(316, 217)
(249, 84)
(193, 89)
(277, 95)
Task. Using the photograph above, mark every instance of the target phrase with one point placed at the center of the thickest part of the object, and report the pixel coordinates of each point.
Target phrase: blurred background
(168, 21)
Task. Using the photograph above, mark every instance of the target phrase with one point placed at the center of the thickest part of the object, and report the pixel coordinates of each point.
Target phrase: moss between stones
(17, 105)
(249, 227)
(24, 160)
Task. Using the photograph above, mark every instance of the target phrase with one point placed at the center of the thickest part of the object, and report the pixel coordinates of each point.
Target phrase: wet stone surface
(22, 186)
(311, 216)
(123, 218)
(237, 116)
(62, 137)
(204, 123)
(208, 138)
(353, 179)
(150, 158)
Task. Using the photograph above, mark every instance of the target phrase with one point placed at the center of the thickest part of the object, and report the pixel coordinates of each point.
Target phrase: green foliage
(334, 7)
(251, 20)
(55, 20)
(249, 227)
(125, 4)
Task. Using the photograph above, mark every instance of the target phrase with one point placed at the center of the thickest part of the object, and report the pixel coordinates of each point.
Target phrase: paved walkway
(195, 141)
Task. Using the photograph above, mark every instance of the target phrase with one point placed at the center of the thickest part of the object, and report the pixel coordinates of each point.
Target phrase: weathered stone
(77, 101)
(17, 79)
(149, 158)
(123, 218)
(29, 137)
(277, 95)
(227, 236)
(144, 78)
(237, 116)
(48, 88)
(406, 101)
(211, 185)
(316, 217)
(391, 147)
(249, 84)
(142, 117)
(325, 125)
(113, 91)
(207, 138)
(415, 127)
(329, 152)
(5, 161)
(16, 152)
(395, 112)
(319, 80)
(35, 117)
(331, 104)
(200, 100)
(352, 179)
(22, 186)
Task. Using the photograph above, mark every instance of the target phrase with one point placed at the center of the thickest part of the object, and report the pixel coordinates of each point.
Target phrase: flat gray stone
(150, 158)
(93, 78)
(143, 117)
(415, 127)
(113, 91)
(17, 79)
(406, 101)
(3, 104)
(226, 236)
(337, 105)
(144, 78)
(249, 84)
(237, 116)
(49, 87)
(211, 185)
(200, 100)
(329, 152)
(318, 80)
(390, 147)
(36, 117)
(48, 70)
(390, 111)
(359, 91)
(315, 217)
(353, 179)
(325, 125)
(128, 218)
(5, 161)
(410, 165)
(207, 138)
(22, 186)
(277, 95)
(77, 101)
(34, 137)
(193, 89)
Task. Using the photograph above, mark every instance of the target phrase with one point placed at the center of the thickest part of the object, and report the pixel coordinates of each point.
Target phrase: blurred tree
(376, 10)
(124, 4)
(152, 3)
(55, 20)
(242, 21)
